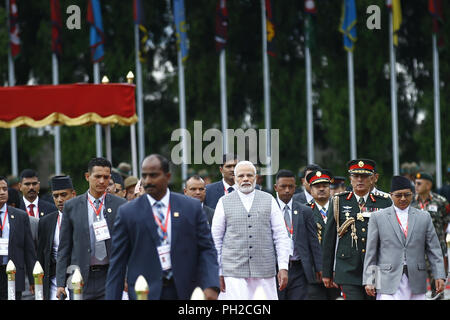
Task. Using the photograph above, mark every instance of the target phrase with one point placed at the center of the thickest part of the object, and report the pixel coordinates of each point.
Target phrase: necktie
(160, 214)
(287, 220)
(31, 210)
(323, 213)
(100, 247)
(162, 235)
(361, 202)
(230, 189)
(1, 225)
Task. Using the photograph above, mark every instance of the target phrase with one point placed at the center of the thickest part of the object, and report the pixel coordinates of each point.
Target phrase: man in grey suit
(398, 239)
(85, 236)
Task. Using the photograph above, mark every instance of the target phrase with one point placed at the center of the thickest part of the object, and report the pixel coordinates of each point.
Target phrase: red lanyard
(158, 222)
(405, 231)
(290, 230)
(4, 219)
(225, 190)
(97, 212)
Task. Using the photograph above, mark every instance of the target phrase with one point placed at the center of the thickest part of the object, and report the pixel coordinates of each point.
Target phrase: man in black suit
(305, 196)
(305, 262)
(16, 245)
(29, 186)
(195, 188)
(214, 191)
(49, 228)
(85, 238)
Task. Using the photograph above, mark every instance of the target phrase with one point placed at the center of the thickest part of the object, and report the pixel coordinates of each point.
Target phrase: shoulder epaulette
(342, 193)
(437, 195)
(380, 194)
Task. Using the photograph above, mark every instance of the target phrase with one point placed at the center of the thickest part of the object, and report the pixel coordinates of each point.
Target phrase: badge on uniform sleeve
(176, 214)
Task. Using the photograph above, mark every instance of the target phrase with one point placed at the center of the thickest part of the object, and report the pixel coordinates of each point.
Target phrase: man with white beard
(251, 238)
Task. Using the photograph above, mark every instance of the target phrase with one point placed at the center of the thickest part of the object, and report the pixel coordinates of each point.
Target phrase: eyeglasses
(401, 195)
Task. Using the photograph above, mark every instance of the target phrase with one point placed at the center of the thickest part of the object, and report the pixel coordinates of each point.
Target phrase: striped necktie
(162, 235)
(100, 246)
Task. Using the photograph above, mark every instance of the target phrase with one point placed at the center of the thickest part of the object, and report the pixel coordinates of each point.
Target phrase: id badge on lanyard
(4, 247)
(164, 256)
(101, 230)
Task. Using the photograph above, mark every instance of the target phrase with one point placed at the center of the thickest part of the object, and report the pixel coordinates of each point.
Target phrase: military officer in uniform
(319, 181)
(348, 219)
(437, 207)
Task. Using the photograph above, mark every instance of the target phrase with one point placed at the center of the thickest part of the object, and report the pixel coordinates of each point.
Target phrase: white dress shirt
(309, 197)
(282, 244)
(5, 231)
(35, 208)
(165, 206)
(226, 185)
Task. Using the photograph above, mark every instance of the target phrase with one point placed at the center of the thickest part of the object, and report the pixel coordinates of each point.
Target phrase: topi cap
(400, 183)
(361, 166)
(318, 176)
(61, 183)
(424, 175)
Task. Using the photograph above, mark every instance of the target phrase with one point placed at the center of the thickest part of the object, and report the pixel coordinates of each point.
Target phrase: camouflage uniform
(438, 208)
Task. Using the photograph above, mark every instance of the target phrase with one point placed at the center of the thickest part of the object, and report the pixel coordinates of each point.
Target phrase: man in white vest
(251, 238)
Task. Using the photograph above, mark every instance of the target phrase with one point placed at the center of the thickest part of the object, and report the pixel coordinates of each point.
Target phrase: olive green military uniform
(351, 247)
(437, 206)
(318, 291)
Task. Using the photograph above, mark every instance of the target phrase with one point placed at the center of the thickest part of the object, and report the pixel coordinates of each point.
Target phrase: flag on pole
(56, 27)
(97, 37)
(395, 6)
(221, 25)
(270, 29)
(145, 37)
(14, 28)
(310, 10)
(437, 12)
(180, 24)
(348, 24)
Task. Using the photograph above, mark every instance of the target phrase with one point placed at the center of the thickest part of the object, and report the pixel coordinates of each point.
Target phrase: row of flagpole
(348, 28)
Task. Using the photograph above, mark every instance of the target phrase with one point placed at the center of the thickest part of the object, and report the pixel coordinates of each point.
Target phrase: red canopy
(71, 105)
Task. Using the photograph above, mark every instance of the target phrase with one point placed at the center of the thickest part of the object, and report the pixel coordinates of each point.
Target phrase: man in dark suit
(320, 181)
(29, 186)
(16, 245)
(305, 196)
(195, 188)
(164, 237)
(214, 191)
(49, 229)
(305, 262)
(85, 238)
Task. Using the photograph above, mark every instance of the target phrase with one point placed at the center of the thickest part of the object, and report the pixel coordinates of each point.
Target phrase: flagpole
(351, 93)
(57, 132)
(182, 116)
(11, 83)
(437, 114)
(395, 152)
(140, 97)
(309, 110)
(98, 128)
(267, 118)
(134, 164)
(223, 100)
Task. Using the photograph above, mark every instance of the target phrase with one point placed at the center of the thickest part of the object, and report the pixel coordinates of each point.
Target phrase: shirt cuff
(284, 266)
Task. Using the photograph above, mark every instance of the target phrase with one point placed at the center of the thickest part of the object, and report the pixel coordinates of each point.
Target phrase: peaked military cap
(424, 175)
(361, 166)
(318, 176)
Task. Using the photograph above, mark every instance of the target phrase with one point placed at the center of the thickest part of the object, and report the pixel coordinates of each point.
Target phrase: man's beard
(247, 189)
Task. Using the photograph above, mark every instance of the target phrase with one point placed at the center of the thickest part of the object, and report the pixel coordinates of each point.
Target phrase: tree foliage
(245, 81)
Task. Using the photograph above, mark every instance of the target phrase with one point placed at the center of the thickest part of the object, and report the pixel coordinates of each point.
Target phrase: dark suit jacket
(300, 197)
(21, 249)
(134, 249)
(305, 240)
(46, 230)
(74, 244)
(44, 207)
(214, 191)
(209, 214)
